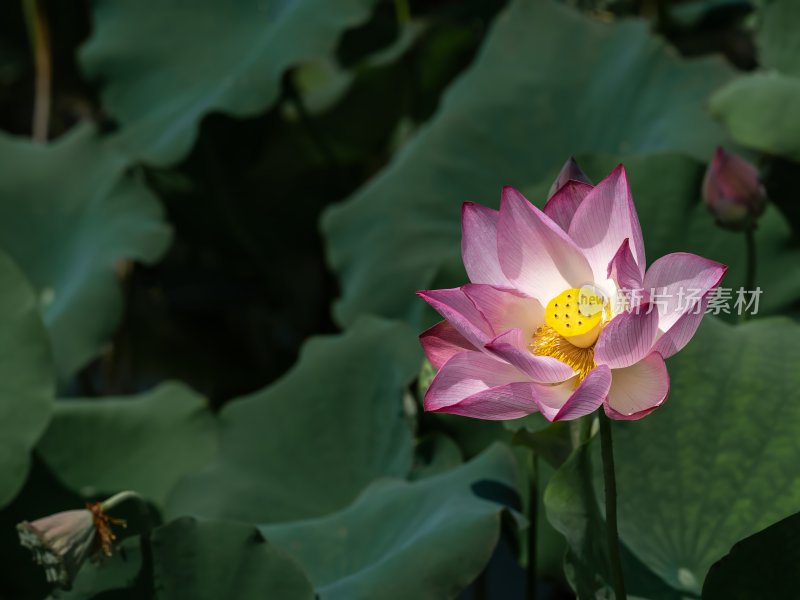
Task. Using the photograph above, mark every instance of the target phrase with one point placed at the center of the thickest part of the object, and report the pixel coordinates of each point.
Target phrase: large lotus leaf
(778, 42)
(548, 83)
(308, 444)
(666, 190)
(763, 565)
(143, 443)
(199, 57)
(69, 215)
(720, 460)
(760, 111)
(425, 540)
(211, 560)
(27, 378)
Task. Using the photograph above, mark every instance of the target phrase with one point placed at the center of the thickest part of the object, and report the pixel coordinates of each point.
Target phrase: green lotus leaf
(309, 443)
(425, 540)
(159, 91)
(760, 112)
(208, 560)
(71, 215)
(146, 443)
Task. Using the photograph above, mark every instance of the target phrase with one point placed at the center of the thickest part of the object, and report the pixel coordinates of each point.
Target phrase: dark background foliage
(267, 209)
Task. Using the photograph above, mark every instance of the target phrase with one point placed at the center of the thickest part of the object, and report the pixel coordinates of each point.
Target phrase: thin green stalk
(118, 499)
(533, 505)
(750, 263)
(615, 563)
(403, 11)
(39, 34)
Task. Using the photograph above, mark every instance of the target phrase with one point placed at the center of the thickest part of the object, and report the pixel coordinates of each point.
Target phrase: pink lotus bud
(570, 171)
(733, 192)
(63, 541)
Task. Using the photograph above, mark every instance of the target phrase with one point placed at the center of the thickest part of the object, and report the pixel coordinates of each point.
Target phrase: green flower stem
(533, 502)
(39, 34)
(615, 563)
(118, 499)
(750, 277)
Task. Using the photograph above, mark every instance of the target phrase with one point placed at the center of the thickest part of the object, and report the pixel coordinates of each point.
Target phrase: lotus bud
(62, 542)
(570, 171)
(733, 192)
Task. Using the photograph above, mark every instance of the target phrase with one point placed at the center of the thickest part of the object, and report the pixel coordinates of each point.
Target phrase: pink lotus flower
(541, 326)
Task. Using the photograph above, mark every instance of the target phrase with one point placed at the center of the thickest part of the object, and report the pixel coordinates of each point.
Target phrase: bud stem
(750, 263)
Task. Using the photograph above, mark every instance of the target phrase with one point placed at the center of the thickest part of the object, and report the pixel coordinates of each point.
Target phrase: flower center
(577, 315)
(573, 322)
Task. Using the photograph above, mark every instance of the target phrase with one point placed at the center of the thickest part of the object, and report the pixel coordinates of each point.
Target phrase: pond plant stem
(533, 502)
(39, 34)
(609, 479)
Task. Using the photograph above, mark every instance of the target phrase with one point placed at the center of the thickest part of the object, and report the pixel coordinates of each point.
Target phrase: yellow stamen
(102, 525)
(549, 342)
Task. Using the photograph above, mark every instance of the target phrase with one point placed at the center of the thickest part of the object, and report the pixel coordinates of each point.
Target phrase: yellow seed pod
(576, 314)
